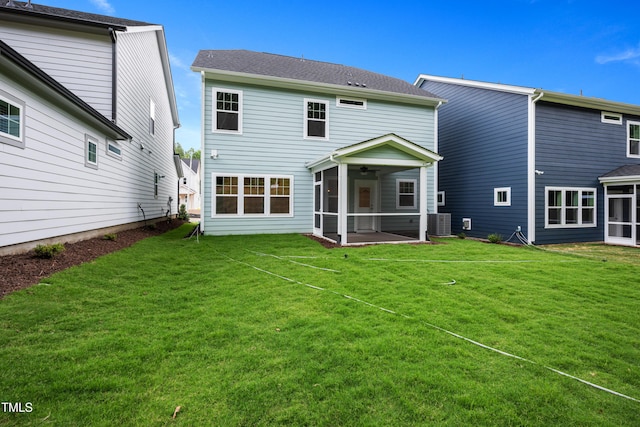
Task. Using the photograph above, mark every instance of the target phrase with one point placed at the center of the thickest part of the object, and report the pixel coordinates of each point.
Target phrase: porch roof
(623, 173)
(412, 154)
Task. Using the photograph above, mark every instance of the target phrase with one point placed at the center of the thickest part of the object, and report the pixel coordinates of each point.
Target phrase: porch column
(343, 201)
(423, 204)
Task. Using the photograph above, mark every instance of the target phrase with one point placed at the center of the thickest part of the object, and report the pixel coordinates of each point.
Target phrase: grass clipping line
(453, 334)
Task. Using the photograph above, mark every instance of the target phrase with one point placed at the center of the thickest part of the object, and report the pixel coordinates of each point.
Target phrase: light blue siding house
(292, 145)
(560, 168)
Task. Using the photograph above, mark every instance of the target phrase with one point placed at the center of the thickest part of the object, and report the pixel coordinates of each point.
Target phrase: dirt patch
(21, 271)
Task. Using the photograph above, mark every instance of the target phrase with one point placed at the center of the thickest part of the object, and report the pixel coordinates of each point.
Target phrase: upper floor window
(613, 118)
(633, 139)
(570, 207)
(11, 121)
(502, 196)
(406, 193)
(152, 117)
(227, 116)
(316, 119)
(90, 152)
(359, 104)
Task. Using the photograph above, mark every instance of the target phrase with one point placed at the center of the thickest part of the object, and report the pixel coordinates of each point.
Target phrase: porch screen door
(365, 203)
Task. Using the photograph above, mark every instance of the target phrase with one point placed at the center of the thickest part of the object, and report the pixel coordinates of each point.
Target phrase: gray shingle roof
(268, 64)
(47, 12)
(626, 170)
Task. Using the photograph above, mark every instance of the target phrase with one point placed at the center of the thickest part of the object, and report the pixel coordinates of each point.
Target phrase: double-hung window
(406, 193)
(249, 195)
(11, 121)
(570, 207)
(227, 115)
(633, 139)
(316, 119)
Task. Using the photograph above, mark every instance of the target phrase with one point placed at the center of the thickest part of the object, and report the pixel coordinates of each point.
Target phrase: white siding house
(292, 145)
(87, 116)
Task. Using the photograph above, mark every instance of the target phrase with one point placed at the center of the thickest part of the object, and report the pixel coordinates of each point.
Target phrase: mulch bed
(21, 271)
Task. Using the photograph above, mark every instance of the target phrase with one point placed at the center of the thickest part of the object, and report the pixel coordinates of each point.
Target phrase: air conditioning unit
(439, 224)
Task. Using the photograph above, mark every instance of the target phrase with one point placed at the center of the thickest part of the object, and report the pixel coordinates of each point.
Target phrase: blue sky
(559, 45)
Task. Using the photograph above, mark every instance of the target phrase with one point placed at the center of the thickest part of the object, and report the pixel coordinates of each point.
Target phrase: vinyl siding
(79, 61)
(272, 142)
(574, 148)
(141, 79)
(46, 190)
(483, 137)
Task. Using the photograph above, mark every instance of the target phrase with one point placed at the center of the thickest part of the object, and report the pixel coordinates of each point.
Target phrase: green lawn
(277, 330)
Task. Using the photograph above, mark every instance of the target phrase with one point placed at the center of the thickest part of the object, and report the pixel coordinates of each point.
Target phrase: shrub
(462, 236)
(182, 213)
(49, 251)
(112, 236)
(494, 238)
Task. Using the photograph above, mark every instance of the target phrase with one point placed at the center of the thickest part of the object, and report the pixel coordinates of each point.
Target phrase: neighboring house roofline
(285, 72)
(65, 17)
(25, 68)
(475, 83)
(540, 94)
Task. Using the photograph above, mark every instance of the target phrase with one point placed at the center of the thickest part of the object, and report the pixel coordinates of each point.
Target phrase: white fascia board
(304, 85)
(521, 90)
(143, 28)
(619, 179)
(394, 141)
(589, 102)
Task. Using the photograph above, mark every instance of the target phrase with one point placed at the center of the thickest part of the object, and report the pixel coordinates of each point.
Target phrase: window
(316, 118)
(11, 120)
(227, 116)
(252, 195)
(441, 198)
(359, 104)
(152, 117)
(613, 118)
(405, 193)
(633, 139)
(156, 181)
(90, 152)
(502, 196)
(570, 207)
(114, 150)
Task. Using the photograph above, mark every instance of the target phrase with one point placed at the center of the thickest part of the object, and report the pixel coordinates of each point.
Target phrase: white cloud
(104, 6)
(631, 55)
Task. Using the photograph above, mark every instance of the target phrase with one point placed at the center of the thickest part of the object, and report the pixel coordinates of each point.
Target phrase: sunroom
(373, 192)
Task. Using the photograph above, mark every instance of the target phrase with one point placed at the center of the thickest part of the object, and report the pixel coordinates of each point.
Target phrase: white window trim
(241, 195)
(152, 117)
(611, 118)
(156, 184)
(415, 190)
(214, 110)
(498, 190)
(441, 198)
(9, 139)
(351, 106)
(634, 156)
(111, 153)
(563, 208)
(305, 119)
(89, 140)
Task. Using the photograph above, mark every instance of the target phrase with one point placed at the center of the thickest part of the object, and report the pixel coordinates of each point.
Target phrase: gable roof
(193, 164)
(22, 69)
(623, 173)
(66, 15)
(276, 70)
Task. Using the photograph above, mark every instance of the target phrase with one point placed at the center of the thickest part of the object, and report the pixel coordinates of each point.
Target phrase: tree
(179, 150)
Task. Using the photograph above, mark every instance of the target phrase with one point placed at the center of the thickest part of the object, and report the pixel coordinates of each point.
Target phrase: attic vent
(360, 104)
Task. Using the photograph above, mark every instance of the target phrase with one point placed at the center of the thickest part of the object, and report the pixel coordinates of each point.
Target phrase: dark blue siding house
(558, 168)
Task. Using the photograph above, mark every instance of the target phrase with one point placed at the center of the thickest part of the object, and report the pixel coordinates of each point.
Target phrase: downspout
(436, 182)
(114, 75)
(203, 155)
(531, 166)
